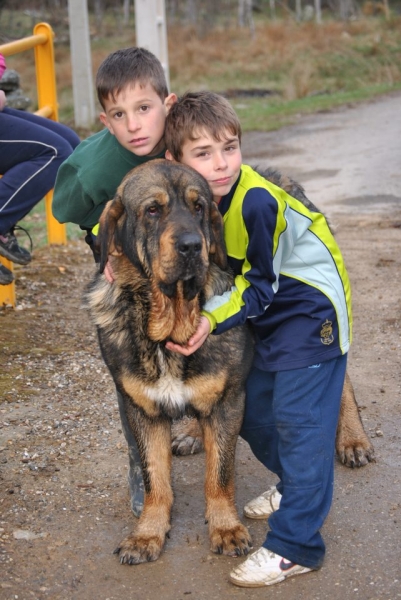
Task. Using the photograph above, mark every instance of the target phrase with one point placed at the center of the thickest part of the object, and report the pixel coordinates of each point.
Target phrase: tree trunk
(298, 10)
(386, 9)
(191, 11)
(272, 9)
(126, 7)
(318, 12)
(245, 16)
(98, 6)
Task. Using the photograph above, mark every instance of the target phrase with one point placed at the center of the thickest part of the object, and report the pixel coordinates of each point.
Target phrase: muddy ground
(63, 494)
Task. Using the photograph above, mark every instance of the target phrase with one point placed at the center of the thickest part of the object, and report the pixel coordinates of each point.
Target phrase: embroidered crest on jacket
(326, 333)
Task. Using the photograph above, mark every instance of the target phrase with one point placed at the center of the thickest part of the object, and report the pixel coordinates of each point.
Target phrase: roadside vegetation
(282, 70)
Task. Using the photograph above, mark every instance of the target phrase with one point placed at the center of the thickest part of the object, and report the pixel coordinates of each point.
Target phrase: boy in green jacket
(132, 90)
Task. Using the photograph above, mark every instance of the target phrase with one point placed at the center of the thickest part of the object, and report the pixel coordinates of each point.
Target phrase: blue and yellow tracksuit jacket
(290, 280)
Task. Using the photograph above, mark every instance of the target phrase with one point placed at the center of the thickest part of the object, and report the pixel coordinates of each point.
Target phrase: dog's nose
(189, 244)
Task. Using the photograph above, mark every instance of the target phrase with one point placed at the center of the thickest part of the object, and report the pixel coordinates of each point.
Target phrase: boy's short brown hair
(195, 113)
(129, 66)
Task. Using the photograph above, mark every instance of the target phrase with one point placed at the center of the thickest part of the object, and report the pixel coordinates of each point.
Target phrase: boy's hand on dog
(195, 342)
(3, 100)
(108, 272)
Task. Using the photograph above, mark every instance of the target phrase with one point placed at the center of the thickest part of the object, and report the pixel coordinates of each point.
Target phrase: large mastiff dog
(163, 235)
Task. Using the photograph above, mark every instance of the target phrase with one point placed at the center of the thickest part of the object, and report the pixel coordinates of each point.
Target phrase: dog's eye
(152, 210)
(198, 208)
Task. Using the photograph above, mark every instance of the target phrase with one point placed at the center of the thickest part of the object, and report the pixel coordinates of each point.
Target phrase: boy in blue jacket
(292, 287)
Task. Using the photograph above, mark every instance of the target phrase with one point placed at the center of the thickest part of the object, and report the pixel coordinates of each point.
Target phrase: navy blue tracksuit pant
(290, 424)
(31, 150)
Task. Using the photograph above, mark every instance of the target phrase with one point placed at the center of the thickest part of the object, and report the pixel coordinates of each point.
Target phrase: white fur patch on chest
(169, 391)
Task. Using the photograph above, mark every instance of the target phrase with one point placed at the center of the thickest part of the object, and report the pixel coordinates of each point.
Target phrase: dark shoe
(6, 275)
(10, 249)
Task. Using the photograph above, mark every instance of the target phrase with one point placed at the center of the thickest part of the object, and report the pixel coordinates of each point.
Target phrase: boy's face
(218, 161)
(137, 118)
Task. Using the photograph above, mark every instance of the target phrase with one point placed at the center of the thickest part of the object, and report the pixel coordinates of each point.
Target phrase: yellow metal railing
(42, 43)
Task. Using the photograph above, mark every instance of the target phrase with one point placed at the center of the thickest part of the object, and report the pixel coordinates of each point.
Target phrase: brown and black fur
(166, 240)
(164, 237)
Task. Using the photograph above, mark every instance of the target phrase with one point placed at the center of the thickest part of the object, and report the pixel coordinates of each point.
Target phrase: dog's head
(164, 220)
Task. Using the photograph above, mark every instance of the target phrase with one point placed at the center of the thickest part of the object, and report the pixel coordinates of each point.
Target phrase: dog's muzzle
(189, 267)
(189, 246)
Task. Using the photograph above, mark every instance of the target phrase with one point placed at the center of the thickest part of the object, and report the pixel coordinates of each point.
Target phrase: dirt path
(63, 497)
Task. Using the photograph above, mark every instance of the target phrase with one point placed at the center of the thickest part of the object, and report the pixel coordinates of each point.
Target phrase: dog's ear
(107, 241)
(217, 246)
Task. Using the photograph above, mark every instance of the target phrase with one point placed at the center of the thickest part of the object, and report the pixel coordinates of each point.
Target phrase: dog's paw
(235, 541)
(186, 437)
(356, 453)
(134, 550)
(183, 445)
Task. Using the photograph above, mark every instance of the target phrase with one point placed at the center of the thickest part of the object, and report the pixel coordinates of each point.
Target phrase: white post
(82, 81)
(151, 30)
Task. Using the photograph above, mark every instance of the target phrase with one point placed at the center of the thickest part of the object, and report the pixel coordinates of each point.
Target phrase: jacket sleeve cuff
(210, 318)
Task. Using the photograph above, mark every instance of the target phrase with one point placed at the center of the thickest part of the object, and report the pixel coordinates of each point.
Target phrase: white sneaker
(263, 506)
(264, 567)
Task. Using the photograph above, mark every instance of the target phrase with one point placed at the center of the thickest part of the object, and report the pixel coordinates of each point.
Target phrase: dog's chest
(170, 393)
(169, 389)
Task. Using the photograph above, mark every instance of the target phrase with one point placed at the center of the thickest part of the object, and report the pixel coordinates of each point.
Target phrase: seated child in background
(31, 150)
(132, 90)
(291, 286)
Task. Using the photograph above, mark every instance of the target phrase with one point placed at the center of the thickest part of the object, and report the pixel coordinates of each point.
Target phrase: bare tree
(191, 11)
(126, 7)
(347, 9)
(245, 16)
(318, 12)
(272, 4)
(298, 10)
(99, 10)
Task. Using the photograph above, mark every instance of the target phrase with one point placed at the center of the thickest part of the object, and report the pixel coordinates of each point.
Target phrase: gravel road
(347, 160)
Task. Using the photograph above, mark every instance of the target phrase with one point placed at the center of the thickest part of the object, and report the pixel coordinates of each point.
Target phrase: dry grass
(285, 55)
(296, 61)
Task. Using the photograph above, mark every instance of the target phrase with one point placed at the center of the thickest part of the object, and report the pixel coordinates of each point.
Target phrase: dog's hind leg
(135, 478)
(352, 444)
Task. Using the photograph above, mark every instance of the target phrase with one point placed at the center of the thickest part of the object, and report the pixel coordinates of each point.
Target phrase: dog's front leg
(145, 543)
(227, 534)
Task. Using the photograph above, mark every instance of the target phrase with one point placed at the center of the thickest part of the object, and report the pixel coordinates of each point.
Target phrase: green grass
(271, 113)
(35, 224)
